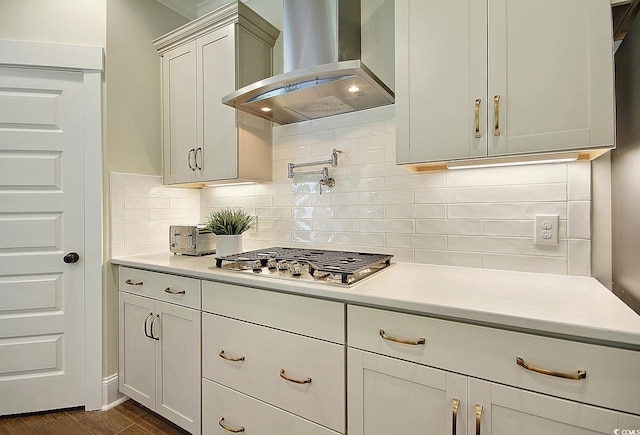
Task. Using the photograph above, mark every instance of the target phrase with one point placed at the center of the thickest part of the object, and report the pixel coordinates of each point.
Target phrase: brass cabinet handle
(478, 135)
(129, 282)
(195, 158)
(456, 404)
(478, 418)
(296, 381)
(153, 322)
(174, 292)
(581, 374)
(191, 151)
(229, 358)
(402, 340)
(145, 325)
(496, 114)
(229, 428)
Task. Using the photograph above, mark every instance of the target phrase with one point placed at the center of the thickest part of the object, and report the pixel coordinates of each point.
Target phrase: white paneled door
(41, 221)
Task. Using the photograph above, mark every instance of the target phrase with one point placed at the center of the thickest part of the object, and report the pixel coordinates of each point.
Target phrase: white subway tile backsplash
(501, 245)
(136, 214)
(579, 220)
(579, 181)
(417, 241)
(359, 239)
(416, 211)
(542, 174)
(449, 226)
(559, 250)
(474, 218)
(531, 209)
(502, 211)
(141, 212)
(528, 192)
(524, 263)
(579, 257)
(371, 225)
(512, 228)
(485, 177)
(449, 195)
(359, 130)
(406, 226)
(336, 225)
(448, 258)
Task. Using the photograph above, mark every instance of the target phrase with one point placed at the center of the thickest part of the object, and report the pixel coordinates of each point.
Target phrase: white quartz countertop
(557, 305)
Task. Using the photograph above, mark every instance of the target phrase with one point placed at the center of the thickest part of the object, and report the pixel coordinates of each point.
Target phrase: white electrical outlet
(546, 229)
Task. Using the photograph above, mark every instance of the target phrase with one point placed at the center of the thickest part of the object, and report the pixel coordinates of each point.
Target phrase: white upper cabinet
(488, 78)
(202, 61)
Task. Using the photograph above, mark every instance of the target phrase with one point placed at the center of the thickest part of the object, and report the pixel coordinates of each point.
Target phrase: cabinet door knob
(71, 257)
(478, 418)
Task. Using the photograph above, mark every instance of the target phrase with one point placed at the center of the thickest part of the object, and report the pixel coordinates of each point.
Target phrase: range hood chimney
(323, 74)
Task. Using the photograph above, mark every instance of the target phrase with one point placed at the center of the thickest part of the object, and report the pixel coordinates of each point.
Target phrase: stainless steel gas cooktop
(334, 267)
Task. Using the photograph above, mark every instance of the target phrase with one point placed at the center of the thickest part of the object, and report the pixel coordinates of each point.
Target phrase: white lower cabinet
(275, 358)
(501, 410)
(160, 358)
(228, 411)
(391, 396)
(404, 372)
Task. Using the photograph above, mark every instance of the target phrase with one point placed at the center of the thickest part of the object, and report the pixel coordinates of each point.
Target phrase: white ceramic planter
(227, 245)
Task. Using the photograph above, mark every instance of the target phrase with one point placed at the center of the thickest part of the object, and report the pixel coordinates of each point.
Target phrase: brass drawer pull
(174, 292)
(581, 374)
(402, 340)
(478, 135)
(478, 418)
(229, 428)
(296, 381)
(129, 282)
(456, 404)
(496, 114)
(229, 358)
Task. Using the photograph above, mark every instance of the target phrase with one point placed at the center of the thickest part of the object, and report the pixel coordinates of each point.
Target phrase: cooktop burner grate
(343, 263)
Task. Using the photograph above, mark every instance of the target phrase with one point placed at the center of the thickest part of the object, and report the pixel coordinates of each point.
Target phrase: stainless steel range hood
(323, 75)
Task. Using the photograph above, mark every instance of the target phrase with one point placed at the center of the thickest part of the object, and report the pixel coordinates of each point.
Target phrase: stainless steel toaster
(191, 240)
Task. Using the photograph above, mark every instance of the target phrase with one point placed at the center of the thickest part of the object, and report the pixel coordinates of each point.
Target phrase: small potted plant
(228, 225)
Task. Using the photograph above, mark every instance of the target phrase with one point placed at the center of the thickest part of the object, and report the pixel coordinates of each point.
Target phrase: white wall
(132, 120)
(61, 21)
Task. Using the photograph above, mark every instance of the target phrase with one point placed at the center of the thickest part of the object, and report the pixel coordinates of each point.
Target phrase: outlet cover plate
(546, 229)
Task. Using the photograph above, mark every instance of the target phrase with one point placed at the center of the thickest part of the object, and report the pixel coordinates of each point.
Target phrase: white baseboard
(111, 396)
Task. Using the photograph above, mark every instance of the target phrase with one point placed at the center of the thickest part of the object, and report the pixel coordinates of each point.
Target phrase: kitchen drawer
(174, 289)
(612, 375)
(307, 316)
(256, 417)
(266, 353)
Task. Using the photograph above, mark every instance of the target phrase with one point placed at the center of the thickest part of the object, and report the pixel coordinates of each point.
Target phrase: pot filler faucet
(326, 180)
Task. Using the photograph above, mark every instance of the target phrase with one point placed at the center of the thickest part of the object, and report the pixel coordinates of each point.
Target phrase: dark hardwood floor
(128, 418)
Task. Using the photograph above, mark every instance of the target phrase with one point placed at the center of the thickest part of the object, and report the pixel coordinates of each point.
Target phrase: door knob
(71, 257)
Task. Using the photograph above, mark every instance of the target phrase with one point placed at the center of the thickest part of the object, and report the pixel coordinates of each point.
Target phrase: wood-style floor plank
(128, 418)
